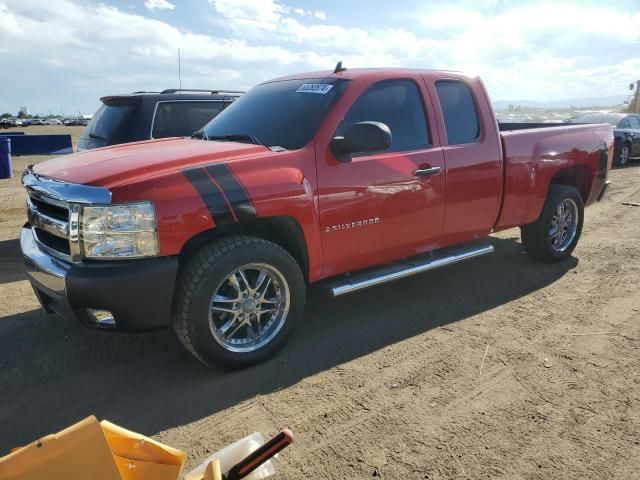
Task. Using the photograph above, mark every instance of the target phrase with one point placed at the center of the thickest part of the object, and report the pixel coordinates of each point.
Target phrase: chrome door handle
(423, 172)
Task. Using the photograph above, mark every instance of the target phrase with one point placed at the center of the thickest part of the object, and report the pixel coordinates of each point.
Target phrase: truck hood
(121, 164)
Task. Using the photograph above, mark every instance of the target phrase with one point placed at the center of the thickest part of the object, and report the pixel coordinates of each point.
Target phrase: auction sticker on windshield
(319, 88)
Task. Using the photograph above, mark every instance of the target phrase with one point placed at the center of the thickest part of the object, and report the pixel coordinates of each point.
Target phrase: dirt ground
(495, 368)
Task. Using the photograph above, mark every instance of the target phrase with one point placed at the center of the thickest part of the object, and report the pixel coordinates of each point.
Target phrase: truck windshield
(283, 114)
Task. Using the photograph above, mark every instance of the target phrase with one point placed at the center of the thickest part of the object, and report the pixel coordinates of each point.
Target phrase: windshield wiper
(236, 137)
(200, 134)
(96, 137)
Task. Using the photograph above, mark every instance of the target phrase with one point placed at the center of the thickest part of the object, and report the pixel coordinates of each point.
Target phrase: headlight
(119, 231)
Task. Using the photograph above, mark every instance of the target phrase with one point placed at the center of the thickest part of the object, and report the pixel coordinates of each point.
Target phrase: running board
(408, 267)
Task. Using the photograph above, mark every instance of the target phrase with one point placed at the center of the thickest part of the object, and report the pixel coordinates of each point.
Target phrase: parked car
(354, 177)
(10, 122)
(148, 115)
(32, 121)
(73, 122)
(626, 132)
(52, 121)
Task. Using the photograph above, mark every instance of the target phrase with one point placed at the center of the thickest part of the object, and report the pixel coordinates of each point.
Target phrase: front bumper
(139, 293)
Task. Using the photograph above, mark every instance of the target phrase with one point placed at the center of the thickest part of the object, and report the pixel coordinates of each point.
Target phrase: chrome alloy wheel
(564, 225)
(249, 307)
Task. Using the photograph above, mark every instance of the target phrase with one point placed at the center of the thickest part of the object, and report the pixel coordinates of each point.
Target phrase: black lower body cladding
(139, 293)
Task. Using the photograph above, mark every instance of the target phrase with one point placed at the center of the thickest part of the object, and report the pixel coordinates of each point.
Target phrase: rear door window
(397, 104)
(459, 111)
(182, 118)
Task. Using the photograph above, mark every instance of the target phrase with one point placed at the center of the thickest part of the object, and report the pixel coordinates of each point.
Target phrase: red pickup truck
(375, 173)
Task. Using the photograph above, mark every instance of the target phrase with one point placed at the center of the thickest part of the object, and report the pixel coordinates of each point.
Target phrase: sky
(60, 56)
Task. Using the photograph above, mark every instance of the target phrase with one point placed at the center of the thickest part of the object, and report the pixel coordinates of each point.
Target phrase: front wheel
(238, 300)
(554, 236)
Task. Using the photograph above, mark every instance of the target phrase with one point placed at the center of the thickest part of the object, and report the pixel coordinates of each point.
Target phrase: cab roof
(377, 73)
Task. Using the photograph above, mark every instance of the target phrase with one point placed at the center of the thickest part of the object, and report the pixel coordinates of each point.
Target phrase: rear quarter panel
(536, 158)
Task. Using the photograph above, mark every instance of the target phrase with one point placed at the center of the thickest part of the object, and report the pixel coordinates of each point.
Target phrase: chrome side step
(408, 267)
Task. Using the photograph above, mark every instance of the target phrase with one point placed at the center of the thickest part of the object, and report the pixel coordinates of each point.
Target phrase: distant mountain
(607, 101)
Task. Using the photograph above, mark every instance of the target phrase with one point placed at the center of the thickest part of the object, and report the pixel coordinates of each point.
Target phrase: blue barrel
(5, 158)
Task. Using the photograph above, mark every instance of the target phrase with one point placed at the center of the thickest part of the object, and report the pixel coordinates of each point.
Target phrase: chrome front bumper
(47, 274)
(42, 268)
(139, 293)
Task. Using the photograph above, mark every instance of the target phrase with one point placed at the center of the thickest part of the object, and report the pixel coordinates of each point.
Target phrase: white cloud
(251, 13)
(265, 14)
(158, 5)
(78, 51)
(546, 50)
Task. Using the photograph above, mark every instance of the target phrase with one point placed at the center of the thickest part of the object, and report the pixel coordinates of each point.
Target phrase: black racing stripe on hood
(211, 195)
(234, 191)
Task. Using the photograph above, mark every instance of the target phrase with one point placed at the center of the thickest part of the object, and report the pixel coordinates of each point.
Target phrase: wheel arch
(284, 231)
(579, 176)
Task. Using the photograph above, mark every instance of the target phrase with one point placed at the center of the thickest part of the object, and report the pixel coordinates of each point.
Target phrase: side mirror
(361, 137)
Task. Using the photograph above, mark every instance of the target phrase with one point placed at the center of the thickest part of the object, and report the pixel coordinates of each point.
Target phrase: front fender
(286, 191)
(204, 197)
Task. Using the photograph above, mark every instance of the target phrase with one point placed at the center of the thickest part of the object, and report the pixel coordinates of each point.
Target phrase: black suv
(146, 115)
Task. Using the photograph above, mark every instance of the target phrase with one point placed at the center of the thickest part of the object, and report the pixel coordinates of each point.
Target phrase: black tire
(622, 155)
(536, 237)
(202, 275)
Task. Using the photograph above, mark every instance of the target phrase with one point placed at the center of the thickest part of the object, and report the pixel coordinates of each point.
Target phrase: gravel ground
(496, 368)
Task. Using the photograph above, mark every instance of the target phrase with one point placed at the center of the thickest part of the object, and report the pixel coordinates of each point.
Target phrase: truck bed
(536, 155)
(510, 126)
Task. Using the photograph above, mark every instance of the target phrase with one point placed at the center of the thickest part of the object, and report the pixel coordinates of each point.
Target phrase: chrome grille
(50, 220)
(56, 210)
(53, 208)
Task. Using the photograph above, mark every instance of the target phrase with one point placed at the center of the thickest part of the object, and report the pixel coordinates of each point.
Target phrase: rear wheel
(554, 236)
(623, 154)
(238, 300)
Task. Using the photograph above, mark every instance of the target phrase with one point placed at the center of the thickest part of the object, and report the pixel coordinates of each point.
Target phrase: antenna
(179, 70)
(339, 68)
